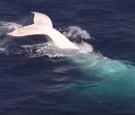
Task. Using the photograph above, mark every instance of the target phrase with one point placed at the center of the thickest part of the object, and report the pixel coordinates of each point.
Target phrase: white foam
(5, 27)
(76, 31)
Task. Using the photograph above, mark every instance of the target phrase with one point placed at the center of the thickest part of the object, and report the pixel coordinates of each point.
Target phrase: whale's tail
(43, 26)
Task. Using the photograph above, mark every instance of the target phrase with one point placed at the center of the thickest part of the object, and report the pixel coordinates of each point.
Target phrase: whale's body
(42, 25)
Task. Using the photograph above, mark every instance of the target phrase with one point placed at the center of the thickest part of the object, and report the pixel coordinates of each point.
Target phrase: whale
(113, 75)
(42, 25)
(97, 76)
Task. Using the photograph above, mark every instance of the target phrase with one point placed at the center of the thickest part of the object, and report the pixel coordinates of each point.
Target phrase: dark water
(66, 86)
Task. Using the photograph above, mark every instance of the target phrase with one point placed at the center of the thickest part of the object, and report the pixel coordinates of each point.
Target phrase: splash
(5, 40)
(75, 32)
(6, 27)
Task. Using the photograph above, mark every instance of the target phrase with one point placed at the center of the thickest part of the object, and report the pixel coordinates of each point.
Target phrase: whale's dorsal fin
(43, 26)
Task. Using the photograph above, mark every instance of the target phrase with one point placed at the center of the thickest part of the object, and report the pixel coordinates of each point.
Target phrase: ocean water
(36, 79)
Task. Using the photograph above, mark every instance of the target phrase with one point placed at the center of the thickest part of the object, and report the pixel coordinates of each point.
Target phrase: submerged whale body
(42, 25)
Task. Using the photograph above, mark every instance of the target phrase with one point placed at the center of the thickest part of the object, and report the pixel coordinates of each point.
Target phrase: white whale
(43, 26)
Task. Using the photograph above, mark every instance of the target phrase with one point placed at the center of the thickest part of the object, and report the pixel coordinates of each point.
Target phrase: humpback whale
(42, 25)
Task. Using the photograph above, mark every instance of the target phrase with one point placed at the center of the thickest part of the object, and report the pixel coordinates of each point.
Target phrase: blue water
(101, 83)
